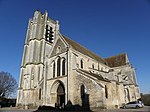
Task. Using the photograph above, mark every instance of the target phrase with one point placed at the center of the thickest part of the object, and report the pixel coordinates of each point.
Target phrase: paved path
(15, 110)
(145, 109)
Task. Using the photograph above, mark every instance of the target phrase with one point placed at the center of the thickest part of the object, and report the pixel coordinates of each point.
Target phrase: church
(57, 71)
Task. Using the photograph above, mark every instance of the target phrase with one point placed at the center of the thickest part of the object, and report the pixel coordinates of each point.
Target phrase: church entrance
(127, 95)
(60, 96)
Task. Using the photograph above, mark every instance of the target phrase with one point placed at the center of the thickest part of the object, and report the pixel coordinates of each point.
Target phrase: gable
(58, 48)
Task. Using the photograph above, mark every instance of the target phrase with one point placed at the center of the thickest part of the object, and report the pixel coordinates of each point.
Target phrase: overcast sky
(106, 27)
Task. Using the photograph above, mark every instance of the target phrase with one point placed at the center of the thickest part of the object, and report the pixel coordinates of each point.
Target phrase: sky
(106, 27)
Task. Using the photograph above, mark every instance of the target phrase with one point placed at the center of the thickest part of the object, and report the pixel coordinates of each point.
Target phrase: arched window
(58, 66)
(127, 95)
(98, 66)
(63, 67)
(93, 66)
(82, 64)
(40, 94)
(106, 92)
(54, 69)
(82, 91)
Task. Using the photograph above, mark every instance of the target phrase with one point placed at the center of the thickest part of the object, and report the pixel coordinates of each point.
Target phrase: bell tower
(40, 36)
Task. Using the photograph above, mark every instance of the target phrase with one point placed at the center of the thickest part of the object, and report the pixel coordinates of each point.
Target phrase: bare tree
(8, 84)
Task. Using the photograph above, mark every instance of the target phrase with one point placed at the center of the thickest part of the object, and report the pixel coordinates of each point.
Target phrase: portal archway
(127, 95)
(58, 94)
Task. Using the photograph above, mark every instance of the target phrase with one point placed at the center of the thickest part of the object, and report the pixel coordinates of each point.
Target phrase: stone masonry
(56, 71)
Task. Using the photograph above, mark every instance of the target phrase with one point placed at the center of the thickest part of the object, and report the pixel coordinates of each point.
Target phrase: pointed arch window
(81, 64)
(53, 69)
(106, 92)
(63, 67)
(40, 94)
(82, 91)
(58, 67)
(93, 66)
(98, 66)
(127, 95)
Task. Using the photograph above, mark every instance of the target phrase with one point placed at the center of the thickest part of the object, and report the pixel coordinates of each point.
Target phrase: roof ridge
(81, 46)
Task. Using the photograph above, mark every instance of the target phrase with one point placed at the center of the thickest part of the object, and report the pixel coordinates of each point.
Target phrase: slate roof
(118, 60)
(83, 50)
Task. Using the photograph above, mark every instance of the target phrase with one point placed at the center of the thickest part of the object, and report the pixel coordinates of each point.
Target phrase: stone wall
(93, 90)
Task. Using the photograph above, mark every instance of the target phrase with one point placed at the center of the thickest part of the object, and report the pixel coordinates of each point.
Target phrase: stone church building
(57, 71)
